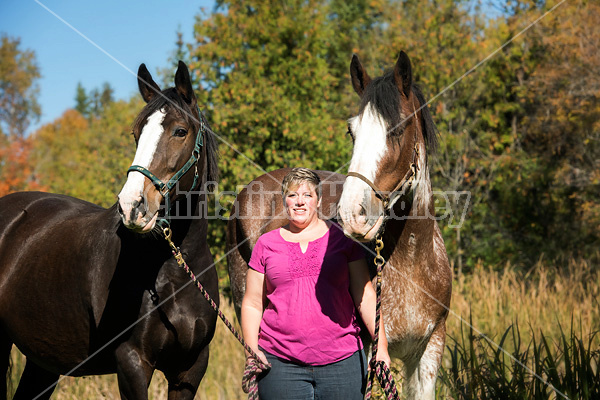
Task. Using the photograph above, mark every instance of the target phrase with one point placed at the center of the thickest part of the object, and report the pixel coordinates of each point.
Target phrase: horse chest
(180, 314)
(409, 312)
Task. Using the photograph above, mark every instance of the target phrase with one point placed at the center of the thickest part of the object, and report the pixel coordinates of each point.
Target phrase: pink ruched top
(310, 317)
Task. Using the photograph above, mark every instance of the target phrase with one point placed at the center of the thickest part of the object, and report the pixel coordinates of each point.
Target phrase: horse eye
(180, 132)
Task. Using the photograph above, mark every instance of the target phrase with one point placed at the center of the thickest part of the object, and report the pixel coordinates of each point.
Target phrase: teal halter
(165, 188)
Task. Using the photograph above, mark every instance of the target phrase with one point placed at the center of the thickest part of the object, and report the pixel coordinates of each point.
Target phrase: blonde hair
(296, 177)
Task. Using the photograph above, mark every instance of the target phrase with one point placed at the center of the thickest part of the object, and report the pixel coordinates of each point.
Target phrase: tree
(18, 87)
(100, 99)
(87, 158)
(562, 131)
(16, 169)
(82, 101)
(531, 163)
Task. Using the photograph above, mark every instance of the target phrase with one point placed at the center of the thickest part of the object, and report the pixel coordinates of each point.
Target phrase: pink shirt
(310, 317)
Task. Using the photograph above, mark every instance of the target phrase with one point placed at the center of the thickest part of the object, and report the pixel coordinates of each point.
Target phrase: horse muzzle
(135, 216)
(139, 211)
(361, 216)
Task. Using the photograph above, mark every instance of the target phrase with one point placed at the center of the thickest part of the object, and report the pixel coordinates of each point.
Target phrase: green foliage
(265, 72)
(100, 100)
(533, 167)
(19, 73)
(82, 101)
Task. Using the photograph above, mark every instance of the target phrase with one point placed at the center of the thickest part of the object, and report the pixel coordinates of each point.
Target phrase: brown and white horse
(387, 192)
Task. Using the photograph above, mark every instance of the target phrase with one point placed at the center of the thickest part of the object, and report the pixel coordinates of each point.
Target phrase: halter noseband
(165, 188)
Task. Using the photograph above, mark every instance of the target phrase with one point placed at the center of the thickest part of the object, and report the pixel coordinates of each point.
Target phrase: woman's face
(301, 204)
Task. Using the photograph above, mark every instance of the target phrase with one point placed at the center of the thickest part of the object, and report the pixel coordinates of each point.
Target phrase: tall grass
(542, 299)
(525, 313)
(540, 369)
(489, 355)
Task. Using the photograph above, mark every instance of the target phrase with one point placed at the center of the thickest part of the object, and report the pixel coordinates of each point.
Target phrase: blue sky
(131, 32)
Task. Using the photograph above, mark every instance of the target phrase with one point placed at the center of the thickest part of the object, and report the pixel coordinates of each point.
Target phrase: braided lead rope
(379, 368)
(254, 366)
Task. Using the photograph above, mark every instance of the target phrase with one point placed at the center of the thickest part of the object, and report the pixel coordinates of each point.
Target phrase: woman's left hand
(383, 355)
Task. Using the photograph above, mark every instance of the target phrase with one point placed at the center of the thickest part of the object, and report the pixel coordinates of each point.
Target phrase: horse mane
(171, 98)
(212, 153)
(383, 94)
(430, 131)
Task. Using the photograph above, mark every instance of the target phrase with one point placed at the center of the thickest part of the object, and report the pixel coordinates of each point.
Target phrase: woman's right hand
(261, 357)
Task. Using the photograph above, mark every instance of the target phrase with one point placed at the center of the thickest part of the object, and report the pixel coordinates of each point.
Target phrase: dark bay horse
(86, 290)
(387, 192)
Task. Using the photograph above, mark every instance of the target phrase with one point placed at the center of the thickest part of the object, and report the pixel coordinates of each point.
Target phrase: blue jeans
(343, 380)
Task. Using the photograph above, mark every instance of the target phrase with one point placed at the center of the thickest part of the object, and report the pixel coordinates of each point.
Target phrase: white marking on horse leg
(133, 189)
(422, 374)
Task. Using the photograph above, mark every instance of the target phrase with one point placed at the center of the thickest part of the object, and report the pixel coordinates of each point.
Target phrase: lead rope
(379, 368)
(254, 366)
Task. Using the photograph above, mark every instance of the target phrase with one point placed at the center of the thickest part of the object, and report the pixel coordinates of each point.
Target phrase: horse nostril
(139, 207)
(362, 212)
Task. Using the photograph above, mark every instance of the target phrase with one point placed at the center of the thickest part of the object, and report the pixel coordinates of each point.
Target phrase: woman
(305, 283)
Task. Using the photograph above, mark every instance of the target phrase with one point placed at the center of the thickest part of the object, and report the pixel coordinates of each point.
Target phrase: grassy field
(555, 313)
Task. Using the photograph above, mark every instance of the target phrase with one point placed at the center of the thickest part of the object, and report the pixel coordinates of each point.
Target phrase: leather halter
(165, 188)
(405, 183)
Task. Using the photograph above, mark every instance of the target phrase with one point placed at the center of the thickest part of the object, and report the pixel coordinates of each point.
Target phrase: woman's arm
(365, 299)
(252, 310)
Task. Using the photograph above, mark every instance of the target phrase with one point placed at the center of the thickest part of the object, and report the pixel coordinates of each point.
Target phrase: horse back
(53, 252)
(258, 209)
(43, 223)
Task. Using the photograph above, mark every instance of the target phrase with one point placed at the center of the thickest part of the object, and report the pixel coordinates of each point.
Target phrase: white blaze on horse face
(132, 193)
(358, 213)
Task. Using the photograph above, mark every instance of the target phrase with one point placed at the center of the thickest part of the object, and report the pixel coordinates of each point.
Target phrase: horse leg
(183, 386)
(421, 373)
(36, 382)
(5, 349)
(133, 373)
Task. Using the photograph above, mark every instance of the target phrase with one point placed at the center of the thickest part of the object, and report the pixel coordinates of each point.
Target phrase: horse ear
(403, 73)
(183, 84)
(148, 88)
(360, 78)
